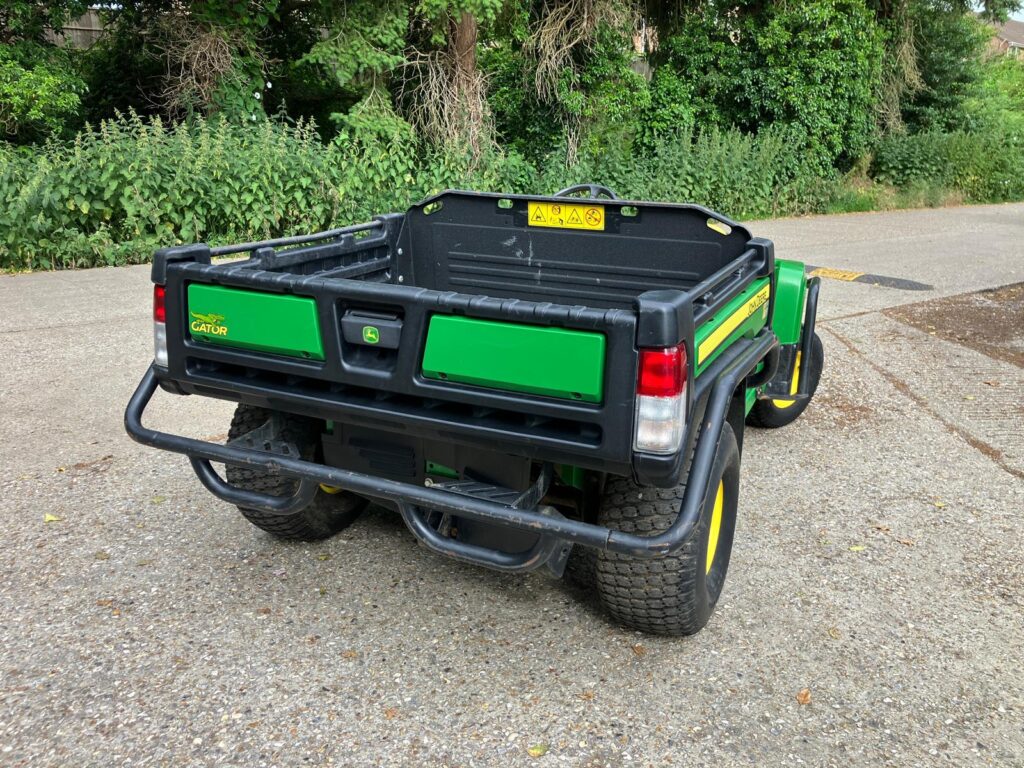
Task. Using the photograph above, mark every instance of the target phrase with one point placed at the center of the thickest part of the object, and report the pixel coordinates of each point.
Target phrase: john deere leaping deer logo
(209, 324)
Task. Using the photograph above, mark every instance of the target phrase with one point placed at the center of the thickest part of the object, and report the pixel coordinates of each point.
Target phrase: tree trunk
(462, 38)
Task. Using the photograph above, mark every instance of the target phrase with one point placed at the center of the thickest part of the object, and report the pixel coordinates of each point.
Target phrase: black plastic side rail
(731, 369)
(327, 234)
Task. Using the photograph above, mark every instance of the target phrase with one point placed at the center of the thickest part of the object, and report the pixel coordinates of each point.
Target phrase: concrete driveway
(879, 563)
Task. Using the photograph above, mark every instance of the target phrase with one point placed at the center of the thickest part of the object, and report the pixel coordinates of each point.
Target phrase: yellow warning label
(835, 274)
(566, 215)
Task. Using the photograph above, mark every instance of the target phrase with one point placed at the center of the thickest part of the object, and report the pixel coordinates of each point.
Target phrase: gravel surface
(879, 563)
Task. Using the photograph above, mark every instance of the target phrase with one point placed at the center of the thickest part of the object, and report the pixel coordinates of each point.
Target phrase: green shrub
(748, 65)
(986, 166)
(128, 186)
(40, 93)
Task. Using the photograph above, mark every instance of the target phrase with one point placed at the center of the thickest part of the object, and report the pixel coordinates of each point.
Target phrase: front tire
(775, 413)
(676, 594)
(328, 512)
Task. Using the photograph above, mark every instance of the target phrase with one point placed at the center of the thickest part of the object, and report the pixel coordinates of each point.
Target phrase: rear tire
(675, 594)
(326, 514)
(772, 414)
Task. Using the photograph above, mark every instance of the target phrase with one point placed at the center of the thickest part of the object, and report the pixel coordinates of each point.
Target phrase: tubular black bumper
(555, 531)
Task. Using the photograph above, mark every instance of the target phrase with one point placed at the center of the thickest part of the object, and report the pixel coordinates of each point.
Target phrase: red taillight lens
(662, 372)
(159, 307)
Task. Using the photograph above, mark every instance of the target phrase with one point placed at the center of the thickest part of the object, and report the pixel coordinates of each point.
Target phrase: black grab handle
(593, 189)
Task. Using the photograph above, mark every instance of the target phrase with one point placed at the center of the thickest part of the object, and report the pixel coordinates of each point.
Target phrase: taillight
(159, 305)
(159, 325)
(660, 400)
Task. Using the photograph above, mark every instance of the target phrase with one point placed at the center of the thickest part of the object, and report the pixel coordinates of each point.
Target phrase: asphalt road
(879, 563)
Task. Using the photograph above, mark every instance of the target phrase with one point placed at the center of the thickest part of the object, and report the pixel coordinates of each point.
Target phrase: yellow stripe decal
(731, 323)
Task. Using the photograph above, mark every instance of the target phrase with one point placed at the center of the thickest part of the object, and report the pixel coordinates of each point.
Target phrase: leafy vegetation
(226, 120)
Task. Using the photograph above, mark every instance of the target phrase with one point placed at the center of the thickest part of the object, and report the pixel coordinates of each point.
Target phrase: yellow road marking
(836, 274)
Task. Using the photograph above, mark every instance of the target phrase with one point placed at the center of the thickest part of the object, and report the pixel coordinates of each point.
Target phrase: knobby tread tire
(666, 595)
(326, 514)
(581, 567)
(766, 415)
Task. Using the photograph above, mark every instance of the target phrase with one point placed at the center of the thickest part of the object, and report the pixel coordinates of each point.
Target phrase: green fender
(790, 292)
(790, 288)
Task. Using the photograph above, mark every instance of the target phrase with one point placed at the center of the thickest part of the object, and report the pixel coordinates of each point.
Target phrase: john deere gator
(532, 382)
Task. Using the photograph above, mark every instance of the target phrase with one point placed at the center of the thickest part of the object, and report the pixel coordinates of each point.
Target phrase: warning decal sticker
(566, 215)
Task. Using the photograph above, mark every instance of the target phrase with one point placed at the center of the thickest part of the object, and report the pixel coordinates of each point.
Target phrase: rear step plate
(265, 322)
(520, 358)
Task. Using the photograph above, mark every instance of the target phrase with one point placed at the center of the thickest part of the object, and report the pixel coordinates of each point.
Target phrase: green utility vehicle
(530, 382)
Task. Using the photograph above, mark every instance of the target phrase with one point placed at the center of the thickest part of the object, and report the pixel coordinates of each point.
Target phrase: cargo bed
(644, 275)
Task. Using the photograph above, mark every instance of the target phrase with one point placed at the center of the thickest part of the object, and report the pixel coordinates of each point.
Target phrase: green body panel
(735, 315)
(790, 290)
(519, 358)
(571, 475)
(440, 470)
(267, 322)
(750, 397)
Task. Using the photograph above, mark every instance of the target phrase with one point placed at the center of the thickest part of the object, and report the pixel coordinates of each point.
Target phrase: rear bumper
(556, 533)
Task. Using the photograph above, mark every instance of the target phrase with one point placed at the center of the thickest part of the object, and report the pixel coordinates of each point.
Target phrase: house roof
(1012, 32)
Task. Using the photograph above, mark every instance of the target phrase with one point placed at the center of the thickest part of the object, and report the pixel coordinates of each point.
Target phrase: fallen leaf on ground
(350, 654)
(262, 611)
(803, 696)
(639, 650)
(991, 383)
(857, 548)
(882, 528)
(323, 556)
(391, 713)
(48, 518)
(906, 542)
(537, 750)
(102, 555)
(586, 695)
(158, 499)
(104, 603)
(834, 633)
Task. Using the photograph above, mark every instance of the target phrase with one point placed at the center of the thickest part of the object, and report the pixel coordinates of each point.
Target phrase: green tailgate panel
(266, 322)
(520, 358)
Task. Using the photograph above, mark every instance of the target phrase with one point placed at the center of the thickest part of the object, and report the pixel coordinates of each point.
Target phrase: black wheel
(328, 513)
(581, 566)
(676, 594)
(771, 414)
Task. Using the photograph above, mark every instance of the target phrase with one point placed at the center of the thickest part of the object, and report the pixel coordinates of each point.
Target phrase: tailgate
(267, 322)
(555, 362)
(512, 357)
